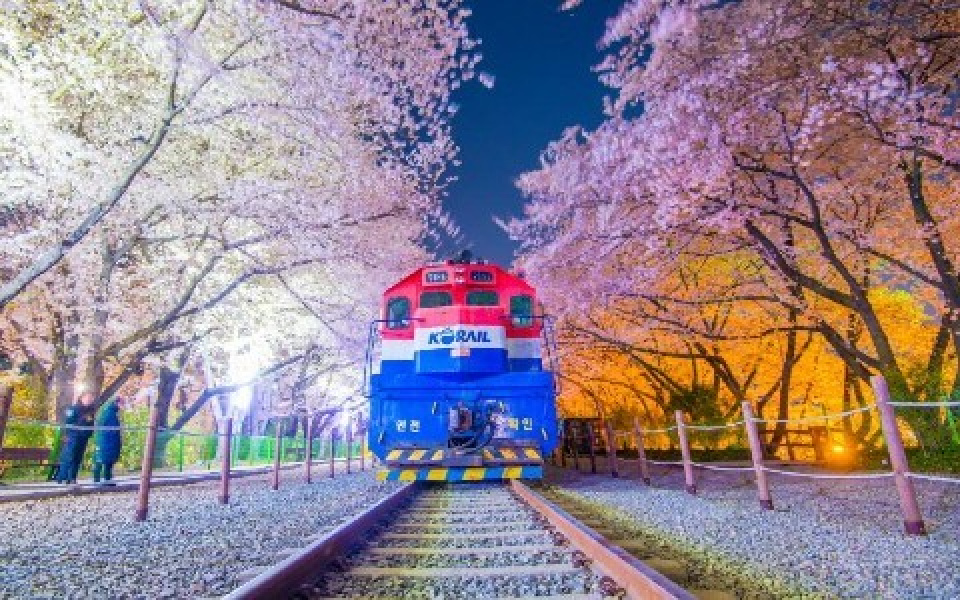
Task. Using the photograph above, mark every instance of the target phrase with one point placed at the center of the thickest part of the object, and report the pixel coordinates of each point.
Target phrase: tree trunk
(63, 370)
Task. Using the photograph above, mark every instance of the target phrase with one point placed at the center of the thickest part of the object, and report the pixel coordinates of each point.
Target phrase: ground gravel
(191, 546)
(825, 538)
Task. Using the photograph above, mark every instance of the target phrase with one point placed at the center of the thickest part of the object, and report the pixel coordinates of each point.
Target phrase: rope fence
(30, 449)
(577, 442)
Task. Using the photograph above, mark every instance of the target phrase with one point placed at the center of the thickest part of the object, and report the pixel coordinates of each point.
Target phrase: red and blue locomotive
(458, 388)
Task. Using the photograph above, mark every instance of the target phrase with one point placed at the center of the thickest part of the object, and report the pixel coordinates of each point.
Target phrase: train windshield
(482, 298)
(435, 299)
(398, 313)
(521, 311)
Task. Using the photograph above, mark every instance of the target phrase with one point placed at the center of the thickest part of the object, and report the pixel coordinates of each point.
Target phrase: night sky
(542, 60)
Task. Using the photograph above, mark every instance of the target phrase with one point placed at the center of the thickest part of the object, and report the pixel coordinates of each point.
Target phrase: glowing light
(247, 358)
(838, 449)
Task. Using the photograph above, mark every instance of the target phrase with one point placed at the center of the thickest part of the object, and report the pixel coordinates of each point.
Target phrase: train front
(458, 386)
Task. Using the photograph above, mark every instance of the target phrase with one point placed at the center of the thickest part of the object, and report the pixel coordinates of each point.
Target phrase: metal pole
(612, 449)
(308, 458)
(276, 455)
(576, 447)
(642, 463)
(146, 467)
(593, 451)
(180, 452)
(6, 401)
(349, 452)
(912, 520)
(363, 449)
(333, 450)
(689, 481)
(563, 449)
(756, 453)
(226, 450)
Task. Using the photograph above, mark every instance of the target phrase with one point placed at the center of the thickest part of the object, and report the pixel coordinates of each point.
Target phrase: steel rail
(283, 579)
(639, 580)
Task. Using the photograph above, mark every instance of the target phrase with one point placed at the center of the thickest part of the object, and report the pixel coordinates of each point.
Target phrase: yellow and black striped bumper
(461, 473)
(493, 457)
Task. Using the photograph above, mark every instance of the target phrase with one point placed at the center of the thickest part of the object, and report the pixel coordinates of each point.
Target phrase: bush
(941, 459)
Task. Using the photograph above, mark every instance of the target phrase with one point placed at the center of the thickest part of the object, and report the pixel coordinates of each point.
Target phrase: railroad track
(486, 540)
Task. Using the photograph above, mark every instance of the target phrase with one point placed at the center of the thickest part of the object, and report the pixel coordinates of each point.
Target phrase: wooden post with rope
(146, 466)
(690, 482)
(756, 453)
(225, 452)
(643, 466)
(912, 519)
(275, 485)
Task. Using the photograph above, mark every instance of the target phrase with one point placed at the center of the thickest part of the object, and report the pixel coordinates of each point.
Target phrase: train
(460, 376)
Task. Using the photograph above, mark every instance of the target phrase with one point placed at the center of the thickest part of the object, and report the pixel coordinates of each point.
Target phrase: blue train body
(458, 387)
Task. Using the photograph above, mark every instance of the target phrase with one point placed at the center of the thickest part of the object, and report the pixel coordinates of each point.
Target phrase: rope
(716, 468)
(819, 418)
(714, 427)
(667, 430)
(933, 478)
(26, 421)
(925, 404)
(812, 476)
(121, 428)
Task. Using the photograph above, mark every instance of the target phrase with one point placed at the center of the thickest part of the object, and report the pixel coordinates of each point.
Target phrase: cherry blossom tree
(819, 139)
(180, 175)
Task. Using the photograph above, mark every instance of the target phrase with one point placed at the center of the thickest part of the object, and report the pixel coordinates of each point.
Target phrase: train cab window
(521, 311)
(398, 312)
(435, 299)
(482, 298)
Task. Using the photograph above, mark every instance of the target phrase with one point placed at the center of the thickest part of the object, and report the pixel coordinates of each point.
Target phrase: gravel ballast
(825, 538)
(529, 564)
(190, 546)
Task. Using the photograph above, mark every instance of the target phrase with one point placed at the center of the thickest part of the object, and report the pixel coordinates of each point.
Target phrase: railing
(747, 429)
(191, 453)
(177, 451)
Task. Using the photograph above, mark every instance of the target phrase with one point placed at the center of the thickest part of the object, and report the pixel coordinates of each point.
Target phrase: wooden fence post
(611, 449)
(593, 451)
(756, 453)
(643, 465)
(912, 520)
(146, 466)
(276, 454)
(308, 453)
(333, 451)
(689, 481)
(6, 403)
(225, 452)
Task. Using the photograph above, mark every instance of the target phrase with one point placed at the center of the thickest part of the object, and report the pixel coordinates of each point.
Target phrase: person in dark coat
(108, 442)
(78, 424)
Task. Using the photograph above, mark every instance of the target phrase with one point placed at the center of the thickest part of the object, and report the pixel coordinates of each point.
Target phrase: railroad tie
(525, 570)
(432, 550)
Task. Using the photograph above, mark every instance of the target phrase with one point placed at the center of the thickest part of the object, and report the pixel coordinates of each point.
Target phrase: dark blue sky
(542, 61)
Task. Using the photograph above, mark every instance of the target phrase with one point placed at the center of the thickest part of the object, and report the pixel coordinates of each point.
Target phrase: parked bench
(24, 457)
